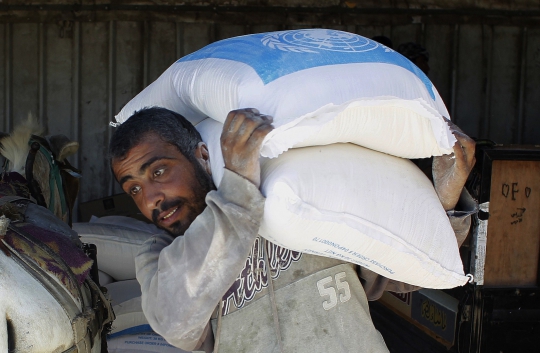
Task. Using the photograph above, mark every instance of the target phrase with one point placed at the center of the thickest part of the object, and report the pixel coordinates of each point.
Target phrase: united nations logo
(317, 40)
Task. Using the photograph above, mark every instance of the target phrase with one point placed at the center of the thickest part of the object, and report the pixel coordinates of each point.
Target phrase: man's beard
(195, 206)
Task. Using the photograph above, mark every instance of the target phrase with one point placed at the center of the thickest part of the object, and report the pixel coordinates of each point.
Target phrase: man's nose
(153, 196)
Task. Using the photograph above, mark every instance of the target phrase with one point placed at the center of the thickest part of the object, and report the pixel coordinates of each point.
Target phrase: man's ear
(203, 156)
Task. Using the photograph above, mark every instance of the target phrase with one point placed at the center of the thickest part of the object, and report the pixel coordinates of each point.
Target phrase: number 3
(331, 292)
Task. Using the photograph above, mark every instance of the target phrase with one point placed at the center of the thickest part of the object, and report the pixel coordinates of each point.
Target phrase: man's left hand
(450, 172)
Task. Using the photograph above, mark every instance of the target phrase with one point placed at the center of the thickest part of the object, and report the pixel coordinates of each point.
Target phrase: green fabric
(55, 179)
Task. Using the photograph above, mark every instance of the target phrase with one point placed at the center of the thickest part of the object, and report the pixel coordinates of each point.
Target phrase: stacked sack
(117, 240)
(347, 111)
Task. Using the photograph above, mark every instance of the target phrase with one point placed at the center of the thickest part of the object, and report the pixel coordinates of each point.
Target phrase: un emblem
(317, 40)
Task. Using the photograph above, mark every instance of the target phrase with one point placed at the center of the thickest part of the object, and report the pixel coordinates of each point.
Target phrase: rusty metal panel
(264, 28)
(25, 70)
(196, 36)
(372, 31)
(162, 47)
(58, 59)
(505, 84)
(439, 42)
(94, 112)
(128, 61)
(531, 101)
(346, 28)
(228, 31)
(3, 77)
(470, 81)
(406, 33)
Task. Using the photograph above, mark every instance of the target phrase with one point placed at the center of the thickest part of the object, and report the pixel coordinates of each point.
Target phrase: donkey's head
(42, 161)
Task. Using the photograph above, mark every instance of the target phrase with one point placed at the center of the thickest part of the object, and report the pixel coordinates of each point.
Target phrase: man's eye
(134, 190)
(158, 172)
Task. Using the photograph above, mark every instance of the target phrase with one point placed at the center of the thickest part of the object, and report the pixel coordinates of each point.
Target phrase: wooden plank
(513, 237)
(505, 84)
(470, 83)
(58, 67)
(439, 42)
(94, 115)
(531, 123)
(162, 39)
(25, 79)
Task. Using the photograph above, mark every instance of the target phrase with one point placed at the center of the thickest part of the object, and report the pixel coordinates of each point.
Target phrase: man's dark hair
(412, 51)
(171, 127)
(384, 41)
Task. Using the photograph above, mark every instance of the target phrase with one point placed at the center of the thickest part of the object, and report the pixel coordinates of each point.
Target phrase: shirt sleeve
(460, 219)
(182, 279)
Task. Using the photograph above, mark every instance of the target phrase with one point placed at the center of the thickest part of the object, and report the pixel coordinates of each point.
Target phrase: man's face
(167, 187)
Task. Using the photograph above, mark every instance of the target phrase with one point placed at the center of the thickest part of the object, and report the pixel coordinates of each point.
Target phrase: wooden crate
(511, 185)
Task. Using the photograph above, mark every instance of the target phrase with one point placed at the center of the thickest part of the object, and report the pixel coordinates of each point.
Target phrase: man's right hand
(243, 133)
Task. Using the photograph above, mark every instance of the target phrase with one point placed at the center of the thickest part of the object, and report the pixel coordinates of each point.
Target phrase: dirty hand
(243, 133)
(450, 171)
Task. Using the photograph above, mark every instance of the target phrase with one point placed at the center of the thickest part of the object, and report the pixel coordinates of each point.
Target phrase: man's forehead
(147, 151)
(149, 143)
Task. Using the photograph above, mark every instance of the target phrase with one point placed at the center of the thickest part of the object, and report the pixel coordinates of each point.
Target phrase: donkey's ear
(62, 147)
(3, 134)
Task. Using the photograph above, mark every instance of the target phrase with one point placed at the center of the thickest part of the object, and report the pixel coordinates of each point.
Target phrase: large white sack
(130, 331)
(127, 306)
(141, 343)
(127, 222)
(352, 203)
(321, 86)
(117, 240)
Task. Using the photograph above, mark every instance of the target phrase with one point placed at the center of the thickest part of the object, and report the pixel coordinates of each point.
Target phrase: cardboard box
(437, 312)
(115, 205)
(432, 311)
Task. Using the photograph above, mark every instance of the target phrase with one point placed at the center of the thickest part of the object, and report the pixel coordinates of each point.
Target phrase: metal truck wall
(75, 75)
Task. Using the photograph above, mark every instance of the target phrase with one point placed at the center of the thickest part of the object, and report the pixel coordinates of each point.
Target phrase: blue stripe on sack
(132, 331)
(276, 54)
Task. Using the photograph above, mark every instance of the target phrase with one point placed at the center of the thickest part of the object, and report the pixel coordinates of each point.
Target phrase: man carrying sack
(212, 283)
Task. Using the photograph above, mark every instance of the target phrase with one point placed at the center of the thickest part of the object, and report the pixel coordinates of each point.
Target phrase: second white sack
(352, 203)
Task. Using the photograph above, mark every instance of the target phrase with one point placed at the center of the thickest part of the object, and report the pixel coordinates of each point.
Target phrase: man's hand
(450, 172)
(241, 140)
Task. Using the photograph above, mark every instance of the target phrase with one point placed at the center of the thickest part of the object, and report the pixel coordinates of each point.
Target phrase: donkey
(49, 300)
